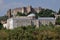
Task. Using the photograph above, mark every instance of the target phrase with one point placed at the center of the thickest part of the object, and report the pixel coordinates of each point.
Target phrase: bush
(20, 14)
(58, 21)
(31, 33)
(1, 26)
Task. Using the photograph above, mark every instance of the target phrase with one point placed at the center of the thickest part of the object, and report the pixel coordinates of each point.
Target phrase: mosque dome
(31, 15)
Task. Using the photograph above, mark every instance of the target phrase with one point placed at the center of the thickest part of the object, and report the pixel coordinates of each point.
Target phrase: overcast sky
(7, 4)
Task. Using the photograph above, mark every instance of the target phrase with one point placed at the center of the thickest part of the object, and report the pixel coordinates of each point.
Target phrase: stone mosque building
(17, 21)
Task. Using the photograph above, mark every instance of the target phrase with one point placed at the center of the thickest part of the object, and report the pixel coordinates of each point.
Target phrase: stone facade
(9, 13)
(56, 15)
(26, 21)
(25, 10)
(19, 21)
(47, 20)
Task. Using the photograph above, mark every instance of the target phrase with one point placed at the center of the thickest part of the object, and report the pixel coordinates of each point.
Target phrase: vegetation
(3, 18)
(20, 14)
(1, 26)
(46, 32)
(46, 13)
(31, 33)
(59, 12)
(58, 21)
(43, 13)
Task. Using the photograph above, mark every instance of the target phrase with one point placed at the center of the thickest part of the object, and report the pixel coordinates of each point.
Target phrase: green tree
(1, 26)
(3, 18)
(46, 13)
(20, 14)
(58, 21)
(31, 33)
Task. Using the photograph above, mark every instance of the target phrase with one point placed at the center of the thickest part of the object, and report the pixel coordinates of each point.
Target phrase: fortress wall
(25, 10)
(25, 21)
(36, 22)
(10, 24)
(47, 22)
(21, 22)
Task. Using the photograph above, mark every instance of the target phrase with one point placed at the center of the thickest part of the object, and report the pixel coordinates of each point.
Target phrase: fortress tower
(29, 9)
(9, 13)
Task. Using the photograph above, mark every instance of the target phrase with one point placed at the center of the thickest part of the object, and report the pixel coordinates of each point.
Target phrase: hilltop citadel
(14, 21)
